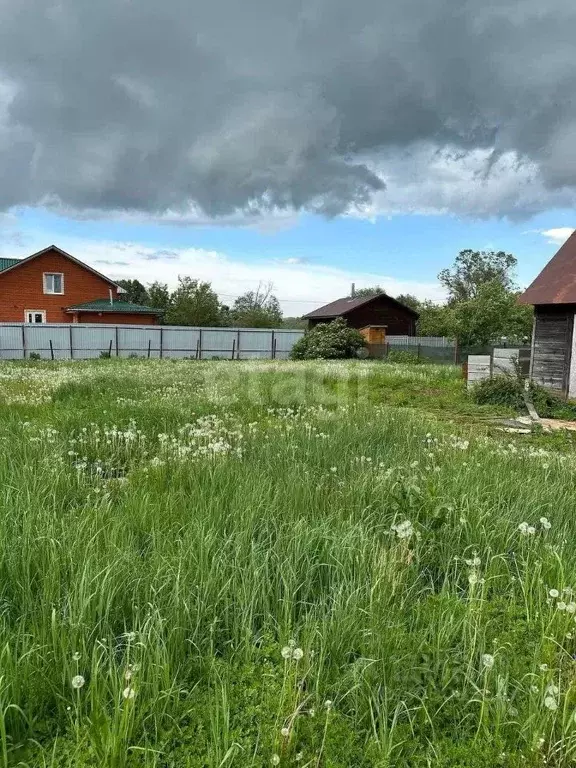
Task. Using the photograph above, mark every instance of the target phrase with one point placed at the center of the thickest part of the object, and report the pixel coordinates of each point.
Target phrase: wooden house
(365, 312)
(553, 294)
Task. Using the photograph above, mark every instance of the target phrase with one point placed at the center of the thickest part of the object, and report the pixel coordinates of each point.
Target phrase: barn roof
(556, 284)
(348, 303)
(105, 305)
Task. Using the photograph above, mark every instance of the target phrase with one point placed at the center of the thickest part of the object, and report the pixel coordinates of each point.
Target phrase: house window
(53, 282)
(34, 316)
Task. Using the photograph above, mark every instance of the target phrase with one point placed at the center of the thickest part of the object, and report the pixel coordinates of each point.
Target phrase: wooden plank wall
(552, 348)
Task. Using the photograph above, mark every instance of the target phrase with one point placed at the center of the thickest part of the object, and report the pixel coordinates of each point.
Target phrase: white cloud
(557, 235)
(300, 287)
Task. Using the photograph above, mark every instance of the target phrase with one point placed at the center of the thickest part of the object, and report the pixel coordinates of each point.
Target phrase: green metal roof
(5, 263)
(104, 305)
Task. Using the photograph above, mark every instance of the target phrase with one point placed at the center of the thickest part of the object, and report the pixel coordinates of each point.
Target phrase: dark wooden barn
(362, 311)
(553, 294)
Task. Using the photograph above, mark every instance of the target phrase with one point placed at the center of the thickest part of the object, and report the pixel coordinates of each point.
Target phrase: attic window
(53, 282)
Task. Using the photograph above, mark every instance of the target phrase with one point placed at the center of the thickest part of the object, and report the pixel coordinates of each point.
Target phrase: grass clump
(508, 391)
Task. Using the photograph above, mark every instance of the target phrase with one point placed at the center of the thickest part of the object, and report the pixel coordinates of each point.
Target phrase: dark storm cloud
(217, 107)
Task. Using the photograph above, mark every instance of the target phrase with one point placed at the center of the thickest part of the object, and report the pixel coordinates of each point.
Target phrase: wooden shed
(368, 312)
(553, 294)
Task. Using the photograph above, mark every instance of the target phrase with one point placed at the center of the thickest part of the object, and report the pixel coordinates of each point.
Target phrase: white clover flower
(543, 667)
(554, 593)
(129, 693)
(77, 656)
(545, 523)
(77, 682)
(403, 530)
(551, 703)
(487, 660)
(285, 732)
(328, 704)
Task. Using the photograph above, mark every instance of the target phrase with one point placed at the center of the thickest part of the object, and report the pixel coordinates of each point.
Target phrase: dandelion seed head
(285, 732)
(77, 656)
(275, 759)
(554, 593)
(551, 703)
(297, 654)
(487, 660)
(78, 681)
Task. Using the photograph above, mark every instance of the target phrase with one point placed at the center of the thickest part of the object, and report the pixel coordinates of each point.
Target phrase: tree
(158, 295)
(374, 290)
(409, 301)
(473, 269)
(492, 314)
(193, 303)
(257, 309)
(295, 323)
(136, 293)
(328, 341)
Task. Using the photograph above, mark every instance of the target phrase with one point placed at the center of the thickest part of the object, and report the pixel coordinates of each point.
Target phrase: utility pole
(353, 290)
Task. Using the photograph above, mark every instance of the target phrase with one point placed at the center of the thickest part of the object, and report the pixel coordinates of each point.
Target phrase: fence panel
(90, 341)
(84, 341)
(425, 341)
(285, 340)
(11, 347)
(255, 344)
(138, 341)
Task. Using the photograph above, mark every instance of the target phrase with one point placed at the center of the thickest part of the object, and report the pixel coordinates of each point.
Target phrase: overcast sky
(227, 114)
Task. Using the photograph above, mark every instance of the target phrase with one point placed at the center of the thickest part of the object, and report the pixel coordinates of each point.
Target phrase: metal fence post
(116, 335)
(233, 348)
(199, 345)
(149, 346)
(71, 345)
(161, 341)
(23, 341)
(51, 350)
(273, 345)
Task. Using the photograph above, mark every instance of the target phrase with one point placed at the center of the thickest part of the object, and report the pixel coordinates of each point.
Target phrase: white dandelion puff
(554, 593)
(286, 652)
(487, 660)
(275, 759)
(285, 732)
(551, 703)
(297, 654)
(77, 656)
(77, 682)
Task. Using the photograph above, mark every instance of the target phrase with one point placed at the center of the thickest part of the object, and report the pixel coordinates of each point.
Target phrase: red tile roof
(556, 284)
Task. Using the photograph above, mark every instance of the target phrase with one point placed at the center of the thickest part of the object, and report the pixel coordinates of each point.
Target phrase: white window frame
(34, 312)
(46, 288)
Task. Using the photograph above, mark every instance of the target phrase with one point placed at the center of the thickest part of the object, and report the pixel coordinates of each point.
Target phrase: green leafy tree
(136, 293)
(374, 290)
(409, 301)
(299, 323)
(158, 295)
(328, 341)
(473, 269)
(193, 303)
(436, 320)
(257, 309)
(492, 314)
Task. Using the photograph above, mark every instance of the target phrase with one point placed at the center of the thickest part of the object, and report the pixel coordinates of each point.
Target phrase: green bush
(328, 341)
(508, 391)
(403, 356)
(34, 356)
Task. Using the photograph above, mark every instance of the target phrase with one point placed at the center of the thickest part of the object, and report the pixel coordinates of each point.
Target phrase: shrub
(508, 391)
(328, 341)
(34, 356)
(403, 356)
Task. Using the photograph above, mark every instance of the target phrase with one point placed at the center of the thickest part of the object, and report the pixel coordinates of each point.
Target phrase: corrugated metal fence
(65, 341)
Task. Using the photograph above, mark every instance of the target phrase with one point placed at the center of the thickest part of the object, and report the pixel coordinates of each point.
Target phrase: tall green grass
(235, 564)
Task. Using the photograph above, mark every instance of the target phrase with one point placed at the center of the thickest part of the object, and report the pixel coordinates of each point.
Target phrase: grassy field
(295, 564)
